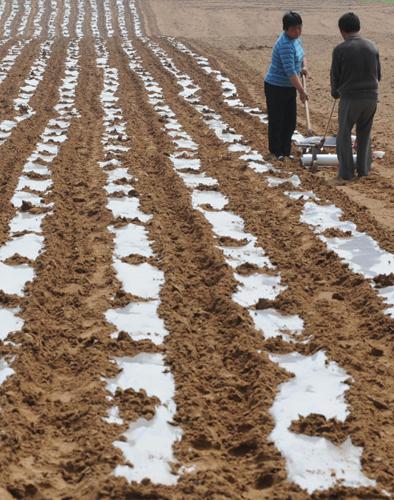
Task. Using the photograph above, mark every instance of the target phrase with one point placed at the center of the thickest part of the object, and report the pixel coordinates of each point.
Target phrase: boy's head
(292, 24)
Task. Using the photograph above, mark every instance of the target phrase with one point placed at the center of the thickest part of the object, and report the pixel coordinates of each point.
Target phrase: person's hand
(304, 72)
(303, 96)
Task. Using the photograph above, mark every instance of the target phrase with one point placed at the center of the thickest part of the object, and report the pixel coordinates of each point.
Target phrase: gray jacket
(355, 69)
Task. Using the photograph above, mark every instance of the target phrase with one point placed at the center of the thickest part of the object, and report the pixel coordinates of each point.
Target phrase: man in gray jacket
(355, 73)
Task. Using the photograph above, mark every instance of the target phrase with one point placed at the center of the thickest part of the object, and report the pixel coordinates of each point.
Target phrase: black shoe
(280, 158)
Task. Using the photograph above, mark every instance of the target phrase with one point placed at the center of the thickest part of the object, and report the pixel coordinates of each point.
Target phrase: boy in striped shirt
(281, 84)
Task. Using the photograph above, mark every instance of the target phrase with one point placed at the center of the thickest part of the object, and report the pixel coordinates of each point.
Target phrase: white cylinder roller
(327, 160)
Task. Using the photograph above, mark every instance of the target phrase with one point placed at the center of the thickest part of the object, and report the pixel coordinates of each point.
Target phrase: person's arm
(286, 54)
(379, 69)
(335, 74)
(296, 82)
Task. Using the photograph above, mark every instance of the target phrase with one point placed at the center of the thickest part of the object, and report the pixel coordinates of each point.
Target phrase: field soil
(56, 440)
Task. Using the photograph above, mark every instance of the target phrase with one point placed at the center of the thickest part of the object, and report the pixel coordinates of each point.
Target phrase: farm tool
(318, 151)
(308, 115)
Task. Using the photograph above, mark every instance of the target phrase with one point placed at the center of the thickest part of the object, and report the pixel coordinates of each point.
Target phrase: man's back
(355, 70)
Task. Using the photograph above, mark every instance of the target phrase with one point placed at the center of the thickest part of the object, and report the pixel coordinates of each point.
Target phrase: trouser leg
(346, 122)
(275, 118)
(290, 121)
(363, 131)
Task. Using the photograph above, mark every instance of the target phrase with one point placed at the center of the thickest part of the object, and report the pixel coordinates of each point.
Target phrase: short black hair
(291, 19)
(349, 23)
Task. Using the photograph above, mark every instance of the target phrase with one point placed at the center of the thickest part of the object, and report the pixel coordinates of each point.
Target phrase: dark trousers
(359, 112)
(282, 117)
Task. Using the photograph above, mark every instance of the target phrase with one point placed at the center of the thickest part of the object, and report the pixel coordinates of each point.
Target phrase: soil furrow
(10, 19)
(45, 19)
(73, 18)
(10, 22)
(80, 19)
(29, 25)
(38, 27)
(52, 18)
(62, 18)
(17, 19)
(108, 18)
(101, 18)
(85, 22)
(250, 89)
(15, 78)
(115, 17)
(16, 150)
(93, 20)
(24, 19)
(4, 47)
(5, 15)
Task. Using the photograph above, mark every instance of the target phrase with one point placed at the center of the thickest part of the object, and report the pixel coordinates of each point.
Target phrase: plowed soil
(55, 441)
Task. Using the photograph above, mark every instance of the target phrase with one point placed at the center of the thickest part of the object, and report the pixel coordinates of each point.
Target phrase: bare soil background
(55, 442)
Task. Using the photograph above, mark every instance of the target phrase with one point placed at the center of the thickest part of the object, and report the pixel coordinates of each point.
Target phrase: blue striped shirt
(287, 58)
